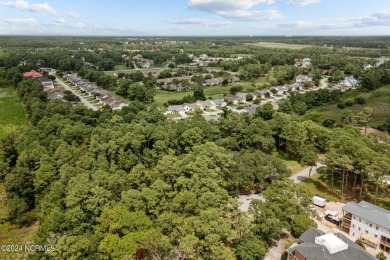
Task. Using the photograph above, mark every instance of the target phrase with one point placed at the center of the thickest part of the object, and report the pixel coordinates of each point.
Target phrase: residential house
(251, 109)
(46, 83)
(55, 93)
(279, 90)
(219, 102)
(315, 244)
(211, 117)
(302, 79)
(367, 66)
(306, 62)
(213, 82)
(340, 87)
(191, 107)
(232, 98)
(349, 81)
(32, 74)
(275, 105)
(241, 96)
(368, 222)
(207, 104)
(175, 109)
(203, 57)
(262, 93)
(293, 87)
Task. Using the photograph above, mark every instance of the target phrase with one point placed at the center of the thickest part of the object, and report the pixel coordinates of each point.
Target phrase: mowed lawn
(12, 116)
(213, 92)
(378, 99)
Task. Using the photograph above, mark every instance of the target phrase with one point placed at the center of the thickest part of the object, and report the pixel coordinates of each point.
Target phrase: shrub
(381, 256)
(360, 100)
(360, 243)
(249, 97)
(349, 103)
(341, 105)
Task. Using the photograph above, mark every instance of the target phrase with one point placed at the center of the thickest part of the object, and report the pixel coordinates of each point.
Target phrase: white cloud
(251, 15)
(78, 26)
(22, 21)
(61, 21)
(213, 6)
(200, 21)
(73, 15)
(303, 25)
(236, 9)
(303, 2)
(178, 29)
(189, 21)
(26, 6)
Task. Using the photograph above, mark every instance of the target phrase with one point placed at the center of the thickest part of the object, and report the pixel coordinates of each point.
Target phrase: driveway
(304, 174)
(83, 100)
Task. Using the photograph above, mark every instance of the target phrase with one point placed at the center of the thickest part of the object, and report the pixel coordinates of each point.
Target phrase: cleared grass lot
(280, 45)
(12, 116)
(378, 99)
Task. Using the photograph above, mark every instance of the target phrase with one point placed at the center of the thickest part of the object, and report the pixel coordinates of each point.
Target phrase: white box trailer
(319, 201)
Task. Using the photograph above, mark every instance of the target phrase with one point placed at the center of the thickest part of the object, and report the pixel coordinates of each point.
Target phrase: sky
(194, 17)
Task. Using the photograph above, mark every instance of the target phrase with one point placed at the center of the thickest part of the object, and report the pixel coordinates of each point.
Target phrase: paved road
(304, 174)
(83, 100)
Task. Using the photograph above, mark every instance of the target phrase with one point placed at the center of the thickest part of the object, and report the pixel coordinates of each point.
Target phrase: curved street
(83, 100)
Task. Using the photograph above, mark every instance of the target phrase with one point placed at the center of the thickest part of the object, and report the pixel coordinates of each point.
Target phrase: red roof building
(32, 74)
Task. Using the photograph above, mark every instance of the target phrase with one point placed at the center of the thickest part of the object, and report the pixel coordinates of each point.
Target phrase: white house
(368, 222)
(302, 79)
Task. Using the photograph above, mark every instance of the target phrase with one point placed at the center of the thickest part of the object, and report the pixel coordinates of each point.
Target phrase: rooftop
(370, 212)
(319, 246)
(332, 243)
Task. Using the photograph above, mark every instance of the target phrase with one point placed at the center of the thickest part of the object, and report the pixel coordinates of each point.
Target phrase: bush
(329, 123)
(52, 77)
(381, 256)
(234, 90)
(256, 101)
(341, 105)
(360, 100)
(71, 98)
(300, 224)
(67, 92)
(349, 103)
(360, 243)
(249, 97)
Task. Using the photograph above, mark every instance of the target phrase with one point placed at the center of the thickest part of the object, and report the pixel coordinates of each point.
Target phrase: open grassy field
(379, 100)
(291, 164)
(124, 69)
(12, 117)
(214, 92)
(11, 234)
(280, 45)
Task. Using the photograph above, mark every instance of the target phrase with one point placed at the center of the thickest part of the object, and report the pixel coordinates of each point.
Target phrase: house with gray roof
(241, 96)
(262, 93)
(175, 109)
(251, 109)
(232, 98)
(316, 245)
(302, 79)
(368, 222)
(219, 102)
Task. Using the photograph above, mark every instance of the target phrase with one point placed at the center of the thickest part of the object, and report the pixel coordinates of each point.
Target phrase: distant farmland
(280, 45)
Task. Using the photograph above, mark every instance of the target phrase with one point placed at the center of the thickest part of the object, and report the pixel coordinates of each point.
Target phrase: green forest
(128, 184)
